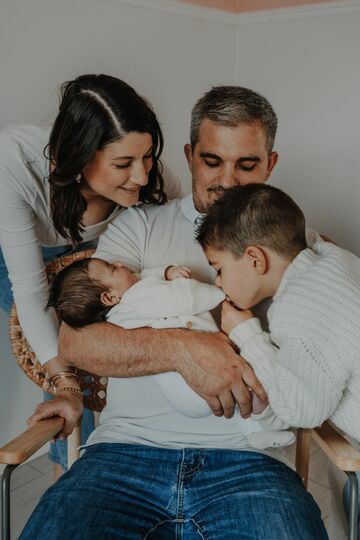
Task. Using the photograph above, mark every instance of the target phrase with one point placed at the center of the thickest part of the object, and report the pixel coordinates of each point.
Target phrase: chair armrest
(340, 451)
(25, 445)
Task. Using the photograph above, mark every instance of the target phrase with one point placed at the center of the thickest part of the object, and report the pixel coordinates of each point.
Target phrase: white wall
(170, 58)
(308, 67)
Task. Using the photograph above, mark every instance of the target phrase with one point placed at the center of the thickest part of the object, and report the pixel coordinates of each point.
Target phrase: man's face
(225, 157)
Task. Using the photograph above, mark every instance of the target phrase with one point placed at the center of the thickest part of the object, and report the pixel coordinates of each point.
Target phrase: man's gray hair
(231, 106)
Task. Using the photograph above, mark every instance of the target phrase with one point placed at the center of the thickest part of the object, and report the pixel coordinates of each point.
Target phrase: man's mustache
(216, 189)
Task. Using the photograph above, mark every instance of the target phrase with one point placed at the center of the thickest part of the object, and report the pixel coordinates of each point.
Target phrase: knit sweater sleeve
(302, 388)
(23, 257)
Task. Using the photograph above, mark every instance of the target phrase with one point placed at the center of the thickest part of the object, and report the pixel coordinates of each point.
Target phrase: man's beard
(201, 206)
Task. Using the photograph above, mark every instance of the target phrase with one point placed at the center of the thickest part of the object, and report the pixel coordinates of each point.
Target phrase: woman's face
(120, 169)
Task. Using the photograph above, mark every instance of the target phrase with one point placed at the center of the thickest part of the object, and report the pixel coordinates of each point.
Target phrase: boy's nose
(218, 281)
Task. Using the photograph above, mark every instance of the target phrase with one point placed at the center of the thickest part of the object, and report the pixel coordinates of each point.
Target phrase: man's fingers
(228, 403)
(215, 405)
(252, 382)
(243, 397)
(260, 392)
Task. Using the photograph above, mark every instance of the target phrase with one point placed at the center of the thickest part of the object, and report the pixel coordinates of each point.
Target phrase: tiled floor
(30, 480)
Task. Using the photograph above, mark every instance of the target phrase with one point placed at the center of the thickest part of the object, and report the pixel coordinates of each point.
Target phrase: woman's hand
(231, 316)
(68, 406)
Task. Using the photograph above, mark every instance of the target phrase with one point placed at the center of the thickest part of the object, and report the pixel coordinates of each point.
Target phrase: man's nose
(229, 177)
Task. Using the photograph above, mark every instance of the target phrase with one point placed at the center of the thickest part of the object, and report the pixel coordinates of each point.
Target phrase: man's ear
(189, 154)
(273, 159)
(109, 299)
(257, 259)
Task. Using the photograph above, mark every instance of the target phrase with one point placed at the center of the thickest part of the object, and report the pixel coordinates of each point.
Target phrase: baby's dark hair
(75, 297)
(254, 214)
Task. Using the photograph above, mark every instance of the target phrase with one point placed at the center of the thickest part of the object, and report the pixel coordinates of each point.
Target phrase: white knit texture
(310, 362)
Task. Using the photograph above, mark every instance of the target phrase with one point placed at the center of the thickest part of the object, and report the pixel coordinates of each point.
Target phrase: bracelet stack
(55, 381)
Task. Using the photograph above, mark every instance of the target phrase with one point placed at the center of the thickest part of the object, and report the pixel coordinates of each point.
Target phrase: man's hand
(66, 405)
(210, 366)
(232, 317)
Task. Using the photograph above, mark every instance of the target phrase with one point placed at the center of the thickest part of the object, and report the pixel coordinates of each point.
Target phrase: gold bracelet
(68, 389)
(63, 375)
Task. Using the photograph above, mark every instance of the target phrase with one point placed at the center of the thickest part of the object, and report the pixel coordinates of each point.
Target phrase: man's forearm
(206, 361)
(109, 350)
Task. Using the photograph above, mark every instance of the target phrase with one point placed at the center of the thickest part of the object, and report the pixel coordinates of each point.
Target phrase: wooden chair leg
(303, 454)
(73, 445)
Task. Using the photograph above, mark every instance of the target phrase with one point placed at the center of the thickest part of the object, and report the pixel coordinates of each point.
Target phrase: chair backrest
(94, 387)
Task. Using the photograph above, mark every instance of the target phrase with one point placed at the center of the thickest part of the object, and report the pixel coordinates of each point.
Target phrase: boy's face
(116, 277)
(237, 277)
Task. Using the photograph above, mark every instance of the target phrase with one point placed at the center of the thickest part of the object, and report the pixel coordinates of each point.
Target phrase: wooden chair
(24, 446)
(341, 453)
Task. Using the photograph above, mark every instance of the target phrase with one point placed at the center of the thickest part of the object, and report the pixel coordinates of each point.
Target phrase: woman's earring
(78, 178)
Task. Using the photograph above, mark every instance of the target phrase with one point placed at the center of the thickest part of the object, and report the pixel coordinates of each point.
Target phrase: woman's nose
(140, 175)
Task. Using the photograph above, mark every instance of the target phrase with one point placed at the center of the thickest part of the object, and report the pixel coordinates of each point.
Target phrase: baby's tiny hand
(174, 272)
(231, 317)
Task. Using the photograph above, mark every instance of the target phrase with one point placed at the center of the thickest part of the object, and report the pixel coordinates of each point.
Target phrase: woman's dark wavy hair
(94, 111)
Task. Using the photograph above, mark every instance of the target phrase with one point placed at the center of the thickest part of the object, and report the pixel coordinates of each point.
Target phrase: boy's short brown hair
(75, 297)
(254, 214)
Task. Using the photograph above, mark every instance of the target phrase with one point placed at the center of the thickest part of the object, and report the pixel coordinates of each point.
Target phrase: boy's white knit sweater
(309, 363)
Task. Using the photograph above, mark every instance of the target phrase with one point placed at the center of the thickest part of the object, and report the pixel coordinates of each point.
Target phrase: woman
(59, 189)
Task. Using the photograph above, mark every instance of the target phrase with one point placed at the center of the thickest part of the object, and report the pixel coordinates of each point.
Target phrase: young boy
(92, 289)
(309, 362)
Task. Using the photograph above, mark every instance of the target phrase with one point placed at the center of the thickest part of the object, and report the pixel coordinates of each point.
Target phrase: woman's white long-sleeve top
(25, 227)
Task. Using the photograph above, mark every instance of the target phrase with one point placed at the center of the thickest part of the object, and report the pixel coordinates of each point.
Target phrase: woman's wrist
(69, 391)
(56, 365)
(66, 382)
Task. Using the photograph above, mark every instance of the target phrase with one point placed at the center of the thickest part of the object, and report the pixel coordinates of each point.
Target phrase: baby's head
(250, 236)
(85, 291)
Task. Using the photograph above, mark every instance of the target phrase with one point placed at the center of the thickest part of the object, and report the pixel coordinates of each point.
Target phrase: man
(149, 472)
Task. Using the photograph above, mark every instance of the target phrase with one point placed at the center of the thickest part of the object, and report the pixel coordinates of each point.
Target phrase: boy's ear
(257, 259)
(109, 299)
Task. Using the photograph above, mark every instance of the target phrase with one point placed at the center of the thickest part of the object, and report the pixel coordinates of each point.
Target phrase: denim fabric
(141, 492)
(58, 450)
(346, 498)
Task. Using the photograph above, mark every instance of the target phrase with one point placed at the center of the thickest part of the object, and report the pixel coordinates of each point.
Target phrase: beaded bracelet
(68, 389)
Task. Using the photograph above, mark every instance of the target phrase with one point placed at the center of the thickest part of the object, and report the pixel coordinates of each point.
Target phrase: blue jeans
(140, 492)
(58, 450)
